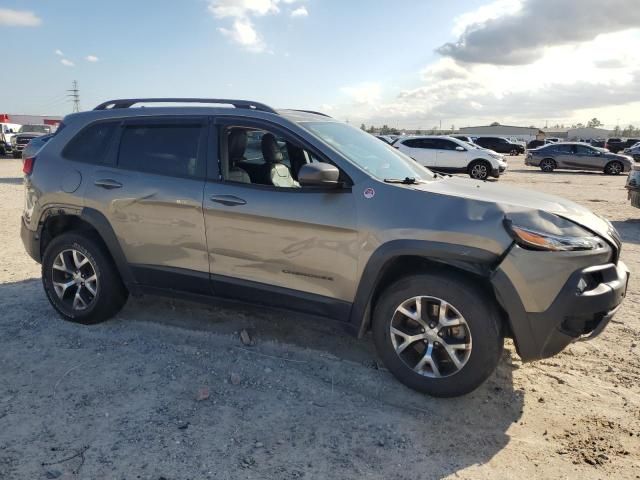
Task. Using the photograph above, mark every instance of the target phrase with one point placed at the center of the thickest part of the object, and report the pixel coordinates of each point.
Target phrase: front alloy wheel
(423, 326)
(430, 336)
(479, 171)
(74, 279)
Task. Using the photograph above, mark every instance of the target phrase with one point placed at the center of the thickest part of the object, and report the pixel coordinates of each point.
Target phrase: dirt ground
(167, 390)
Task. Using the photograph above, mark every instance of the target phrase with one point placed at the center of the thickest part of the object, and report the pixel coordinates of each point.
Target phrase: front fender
(474, 260)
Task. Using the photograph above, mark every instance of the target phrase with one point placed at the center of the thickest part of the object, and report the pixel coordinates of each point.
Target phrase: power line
(75, 96)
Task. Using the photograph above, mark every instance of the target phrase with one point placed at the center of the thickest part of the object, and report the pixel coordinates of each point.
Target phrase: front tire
(16, 154)
(479, 170)
(437, 334)
(81, 280)
(613, 168)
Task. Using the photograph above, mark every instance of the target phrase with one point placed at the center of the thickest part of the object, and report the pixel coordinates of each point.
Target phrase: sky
(405, 63)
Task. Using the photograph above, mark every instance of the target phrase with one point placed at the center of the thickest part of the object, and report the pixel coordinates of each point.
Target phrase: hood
(30, 134)
(513, 199)
(618, 156)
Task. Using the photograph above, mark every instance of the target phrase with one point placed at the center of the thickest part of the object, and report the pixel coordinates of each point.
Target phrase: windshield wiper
(405, 181)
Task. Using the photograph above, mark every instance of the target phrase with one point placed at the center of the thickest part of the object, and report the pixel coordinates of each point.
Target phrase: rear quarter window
(92, 143)
(165, 149)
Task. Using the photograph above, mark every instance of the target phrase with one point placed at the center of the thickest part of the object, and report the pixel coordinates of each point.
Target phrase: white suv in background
(450, 155)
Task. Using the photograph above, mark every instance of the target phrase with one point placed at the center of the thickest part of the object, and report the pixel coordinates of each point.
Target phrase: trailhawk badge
(369, 193)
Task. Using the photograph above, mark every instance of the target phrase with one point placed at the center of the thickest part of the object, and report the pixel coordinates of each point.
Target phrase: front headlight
(535, 239)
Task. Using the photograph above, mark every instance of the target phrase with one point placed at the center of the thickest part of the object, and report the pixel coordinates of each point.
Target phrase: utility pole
(74, 95)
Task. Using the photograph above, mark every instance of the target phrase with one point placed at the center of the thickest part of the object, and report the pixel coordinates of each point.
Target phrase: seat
(279, 173)
(237, 143)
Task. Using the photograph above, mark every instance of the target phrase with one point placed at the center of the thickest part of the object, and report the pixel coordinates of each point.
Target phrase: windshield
(364, 150)
(35, 129)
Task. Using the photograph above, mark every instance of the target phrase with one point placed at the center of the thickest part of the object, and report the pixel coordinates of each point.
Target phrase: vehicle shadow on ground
(324, 394)
(11, 180)
(480, 419)
(629, 229)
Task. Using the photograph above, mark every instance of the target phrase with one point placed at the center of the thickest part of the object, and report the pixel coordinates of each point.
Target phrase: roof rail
(129, 102)
(311, 111)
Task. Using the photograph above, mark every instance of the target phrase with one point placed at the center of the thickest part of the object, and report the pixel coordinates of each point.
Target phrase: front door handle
(228, 200)
(107, 183)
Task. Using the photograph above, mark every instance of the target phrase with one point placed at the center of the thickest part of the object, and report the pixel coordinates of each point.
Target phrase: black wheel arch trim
(470, 259)
(100, 223)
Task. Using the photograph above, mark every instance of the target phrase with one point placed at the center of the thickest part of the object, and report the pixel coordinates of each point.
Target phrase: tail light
(27, 165)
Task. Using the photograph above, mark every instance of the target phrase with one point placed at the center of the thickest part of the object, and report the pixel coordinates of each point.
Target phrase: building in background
(524, 134)
(53, 120)
(583, 133)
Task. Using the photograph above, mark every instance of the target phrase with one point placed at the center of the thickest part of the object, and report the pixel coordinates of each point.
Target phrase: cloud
(91, 58)
(300, 12)
(521, 36)
(610, 63)
(243, 31)
(364, 93)
(244, 34)
(59, 53)
(67, 63)
(18, 18)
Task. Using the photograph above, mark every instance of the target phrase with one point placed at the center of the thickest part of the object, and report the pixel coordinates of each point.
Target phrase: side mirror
(460, 149)
(318, 175)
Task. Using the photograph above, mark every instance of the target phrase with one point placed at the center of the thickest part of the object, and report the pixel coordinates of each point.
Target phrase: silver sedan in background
(578, 156)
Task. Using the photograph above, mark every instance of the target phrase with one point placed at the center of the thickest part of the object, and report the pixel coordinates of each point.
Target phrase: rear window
(162, 149)
(92, 143)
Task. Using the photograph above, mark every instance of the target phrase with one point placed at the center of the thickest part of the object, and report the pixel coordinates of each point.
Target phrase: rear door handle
(228, 200)
(107, 183)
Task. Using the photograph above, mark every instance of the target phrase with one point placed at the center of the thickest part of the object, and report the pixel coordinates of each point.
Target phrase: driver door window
(261, 157)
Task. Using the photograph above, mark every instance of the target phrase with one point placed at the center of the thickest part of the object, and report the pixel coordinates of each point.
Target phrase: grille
(23, 141)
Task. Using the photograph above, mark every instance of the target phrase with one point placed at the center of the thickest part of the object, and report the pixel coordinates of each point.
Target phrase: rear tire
(513, 152)
(81, 280)
(16, 155)
(548, 165)
(479, 169)
(613, 168)
(471, 326)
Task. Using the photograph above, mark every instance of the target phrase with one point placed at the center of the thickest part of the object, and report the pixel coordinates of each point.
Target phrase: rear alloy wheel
(479, 170)
(81, 280)
(548, 165)
(613, 168)
(513, 152)
(438, 333)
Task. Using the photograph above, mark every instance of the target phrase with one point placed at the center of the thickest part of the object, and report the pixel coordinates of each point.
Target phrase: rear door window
(162, 148)
(92, 144)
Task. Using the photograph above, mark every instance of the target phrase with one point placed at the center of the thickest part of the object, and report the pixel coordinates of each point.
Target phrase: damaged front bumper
(582, 309)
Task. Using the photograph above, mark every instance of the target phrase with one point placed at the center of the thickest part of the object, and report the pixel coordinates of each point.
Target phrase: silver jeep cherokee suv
(295, 209)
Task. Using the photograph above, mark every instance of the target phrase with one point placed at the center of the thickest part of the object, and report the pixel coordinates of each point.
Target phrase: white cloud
(243, 31)
(569, 84)
(91, 58)
(67, 63)
(244, 34)
(59, 53)
(367, 93)
(300, 12)
(18, 18)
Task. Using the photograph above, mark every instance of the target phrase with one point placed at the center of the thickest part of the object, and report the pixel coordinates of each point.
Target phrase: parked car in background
(35, 145)
(7, 131)
(553, 140)
(634, 151)
(127, 200)
(598, 143)
(633, 186)
(464, 138)
(577, 156)
(614, 145)
(25, 135)
(500, 145)
(535, 144)
(384, 138)
(451, 155)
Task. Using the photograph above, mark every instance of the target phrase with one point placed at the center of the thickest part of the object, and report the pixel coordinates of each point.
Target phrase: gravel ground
(167, 390)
